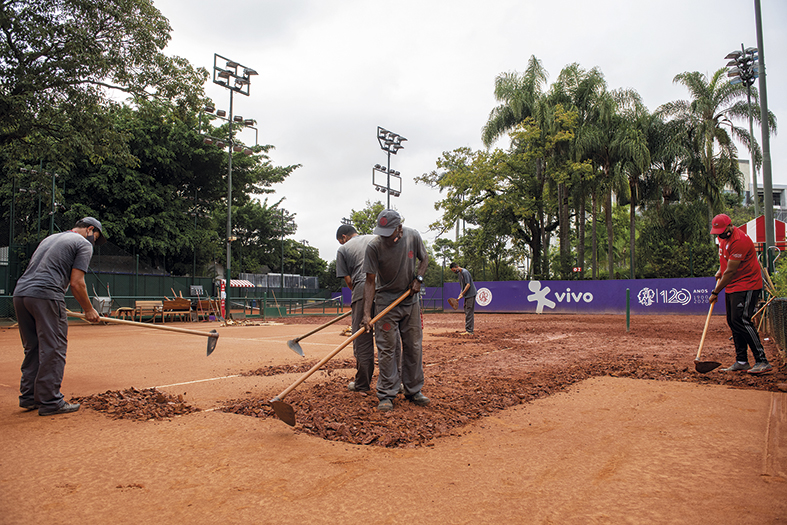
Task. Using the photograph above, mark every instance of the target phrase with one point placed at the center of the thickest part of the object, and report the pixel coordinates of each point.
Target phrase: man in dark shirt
(60, 261)
(468, 291)
(391, 270)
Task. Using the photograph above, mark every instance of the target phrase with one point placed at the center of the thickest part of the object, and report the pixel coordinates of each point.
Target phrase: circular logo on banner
(483, 297)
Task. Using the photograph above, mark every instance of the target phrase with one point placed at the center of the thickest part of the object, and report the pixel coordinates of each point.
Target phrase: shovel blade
(703, 367)
(295, 347)
(213, 338)
(283, 411)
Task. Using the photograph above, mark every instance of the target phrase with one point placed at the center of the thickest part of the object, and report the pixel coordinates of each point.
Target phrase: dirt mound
(139, 405)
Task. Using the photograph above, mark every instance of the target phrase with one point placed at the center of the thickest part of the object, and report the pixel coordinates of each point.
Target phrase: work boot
(737, 367)
(65, 408)
(352, 388)
(761, 368)
(418, 399)
(385, 405)
(29, 406)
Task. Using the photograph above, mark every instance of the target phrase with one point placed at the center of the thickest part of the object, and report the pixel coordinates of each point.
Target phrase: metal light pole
(304, 243)
(744, 70)
(770, 233)
(237, 78)
(390, 142)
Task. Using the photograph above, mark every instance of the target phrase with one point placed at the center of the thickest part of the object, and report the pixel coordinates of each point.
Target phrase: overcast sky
(331, 71)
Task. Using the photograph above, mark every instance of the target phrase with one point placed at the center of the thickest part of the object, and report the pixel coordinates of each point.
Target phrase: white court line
(259, 340)
(198, 381)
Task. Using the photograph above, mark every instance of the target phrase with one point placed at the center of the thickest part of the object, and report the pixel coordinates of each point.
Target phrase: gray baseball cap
(387, 221)
(97, 225)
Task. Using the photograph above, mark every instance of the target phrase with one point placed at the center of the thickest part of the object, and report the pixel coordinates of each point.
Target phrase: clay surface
(536, 418)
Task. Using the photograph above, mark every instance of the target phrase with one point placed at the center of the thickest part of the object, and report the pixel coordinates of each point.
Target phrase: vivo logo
(568, 296)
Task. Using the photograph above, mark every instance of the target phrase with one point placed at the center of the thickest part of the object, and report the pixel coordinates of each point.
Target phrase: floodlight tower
(744, 70)
(390, 142)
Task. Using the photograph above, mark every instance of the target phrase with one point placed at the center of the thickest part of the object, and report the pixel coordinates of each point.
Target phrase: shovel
(213, 335)
(284, 411)
(703, 367)
(293, 343)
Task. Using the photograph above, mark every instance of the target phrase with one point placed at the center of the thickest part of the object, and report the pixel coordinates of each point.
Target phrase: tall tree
(708, 122)
(60, 61)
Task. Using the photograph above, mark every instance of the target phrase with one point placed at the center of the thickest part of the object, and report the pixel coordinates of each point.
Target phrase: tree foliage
(577, 148)
(62, 64)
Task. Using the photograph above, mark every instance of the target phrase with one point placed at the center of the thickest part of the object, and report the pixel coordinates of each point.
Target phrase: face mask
(91, 236)
(725, 235)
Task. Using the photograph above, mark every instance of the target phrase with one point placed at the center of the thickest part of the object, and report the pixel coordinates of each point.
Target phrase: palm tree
(708, 127)
(581, 91)
(522, 97)
(519, 95)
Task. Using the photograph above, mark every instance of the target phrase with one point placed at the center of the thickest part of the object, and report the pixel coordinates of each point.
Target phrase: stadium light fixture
(743, 69)
(390, 142)
(237, 82)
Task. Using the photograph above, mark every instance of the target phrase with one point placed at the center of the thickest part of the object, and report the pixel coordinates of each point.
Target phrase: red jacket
(739, 247)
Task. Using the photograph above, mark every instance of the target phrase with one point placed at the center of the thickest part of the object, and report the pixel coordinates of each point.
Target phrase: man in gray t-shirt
(60, 261)
(390, 267)
(349, 265)
(468, 291)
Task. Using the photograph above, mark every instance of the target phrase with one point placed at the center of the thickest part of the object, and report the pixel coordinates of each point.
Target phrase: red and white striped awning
(239, 283)
(755, 229)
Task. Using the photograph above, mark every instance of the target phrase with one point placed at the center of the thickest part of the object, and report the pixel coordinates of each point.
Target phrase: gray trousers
(43, 328)
(404, 322)
(470, 314)
(363, 348)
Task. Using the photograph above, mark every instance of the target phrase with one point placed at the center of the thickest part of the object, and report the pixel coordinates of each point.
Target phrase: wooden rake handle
(146, 325)
(704, 331)
(340, 348)
(329, 323)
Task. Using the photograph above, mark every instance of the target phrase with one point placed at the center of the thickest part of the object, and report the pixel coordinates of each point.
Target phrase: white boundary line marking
(198, 381)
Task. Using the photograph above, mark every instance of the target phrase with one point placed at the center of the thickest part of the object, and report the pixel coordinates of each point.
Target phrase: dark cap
(97, 225)
(719, 224)
(387, 221)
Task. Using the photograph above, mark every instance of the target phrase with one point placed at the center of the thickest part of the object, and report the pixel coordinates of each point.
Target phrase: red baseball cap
(719, 224)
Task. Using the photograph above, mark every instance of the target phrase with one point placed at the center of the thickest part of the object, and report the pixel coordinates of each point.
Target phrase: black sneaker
(419, 399)
(386, 405)
(30, 406)
(64, 409)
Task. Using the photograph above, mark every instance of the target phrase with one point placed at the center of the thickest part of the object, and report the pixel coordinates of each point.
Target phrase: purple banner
(648, 296)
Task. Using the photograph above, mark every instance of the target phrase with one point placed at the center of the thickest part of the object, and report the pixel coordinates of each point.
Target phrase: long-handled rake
(284, 411)
(293, 343)
(213, 335)
(703, 367)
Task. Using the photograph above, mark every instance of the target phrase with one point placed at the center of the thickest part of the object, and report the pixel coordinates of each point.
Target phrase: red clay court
(535, 419)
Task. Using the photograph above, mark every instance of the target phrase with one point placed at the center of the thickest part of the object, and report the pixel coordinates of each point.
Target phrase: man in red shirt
(740, 277)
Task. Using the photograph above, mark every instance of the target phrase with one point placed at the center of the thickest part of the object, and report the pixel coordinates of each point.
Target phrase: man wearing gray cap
(60, 261)
(391, 270)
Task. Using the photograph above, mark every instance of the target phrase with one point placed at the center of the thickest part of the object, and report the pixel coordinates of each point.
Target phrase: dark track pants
(741, 306)
(43, 328)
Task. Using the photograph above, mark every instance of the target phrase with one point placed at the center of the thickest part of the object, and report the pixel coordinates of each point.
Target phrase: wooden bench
(154, 308)
(180, 308)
